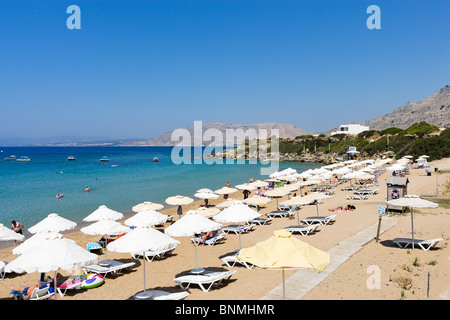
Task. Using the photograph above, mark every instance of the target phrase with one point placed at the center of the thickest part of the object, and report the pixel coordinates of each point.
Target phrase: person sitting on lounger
(26, 292)
(348, 207)
(205, 236)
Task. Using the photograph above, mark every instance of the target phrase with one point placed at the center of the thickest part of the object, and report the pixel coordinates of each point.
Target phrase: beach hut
(397, 187)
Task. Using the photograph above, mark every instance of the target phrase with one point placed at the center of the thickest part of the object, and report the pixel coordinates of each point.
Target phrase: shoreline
(348, 281)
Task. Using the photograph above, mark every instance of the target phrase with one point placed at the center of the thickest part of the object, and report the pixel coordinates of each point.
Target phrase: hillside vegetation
(418, 139)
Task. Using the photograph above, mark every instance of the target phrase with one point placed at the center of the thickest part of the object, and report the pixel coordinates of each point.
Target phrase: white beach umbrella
(143, 239)
(206, 196)
(179, 201)
(32, 241)
(7, 234)
(147, 205)
(316, 197)
(257, 201)
(245, 186)
(103, 213)
(146, 217)
(237, 214)
(412, 201)
(296, 202)
(190, 225)
(259, 184)
(228, 202)
(206, 212)
(53, 223)
(52, 254)
(277, 193)
(226, 190)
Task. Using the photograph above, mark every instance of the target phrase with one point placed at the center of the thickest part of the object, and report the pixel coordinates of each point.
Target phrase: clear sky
(136, 69)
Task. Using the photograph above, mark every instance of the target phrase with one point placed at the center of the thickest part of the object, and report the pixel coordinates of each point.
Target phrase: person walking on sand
(17, 227)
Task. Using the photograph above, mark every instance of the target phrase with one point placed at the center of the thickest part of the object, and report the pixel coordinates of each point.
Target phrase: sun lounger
(422, 244)
(114, 267)
(278, 213)
(283, 207)
(356, 197)
(94, 246)
(237, 228)
(204, 280)
(150, 254)
(41, 293)
(303, 230)
(211, 241)
(76, 285)
(320, 219)
(260, 221)
(232, 259)
(165, 295)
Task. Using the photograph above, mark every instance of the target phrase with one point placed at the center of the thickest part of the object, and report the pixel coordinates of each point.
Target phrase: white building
(350, 129)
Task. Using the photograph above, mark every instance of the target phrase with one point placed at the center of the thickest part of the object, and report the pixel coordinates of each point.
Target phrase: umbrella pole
(412, 228)
(55, 285)
(239, 236)
(143, 262)
(298, 218)
(284, 288)
(317, 206)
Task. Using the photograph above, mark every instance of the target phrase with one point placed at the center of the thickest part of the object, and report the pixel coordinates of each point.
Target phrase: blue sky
(136, 69)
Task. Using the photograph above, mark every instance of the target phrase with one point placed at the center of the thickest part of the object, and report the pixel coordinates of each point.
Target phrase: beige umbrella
(228, 202)
(259, 184)
(245, 186)
(226, 190)
(257, 201)
(277, 193)
(316, 197)
(179, 201)
(298, 201)
(147, 205)
(206, 212)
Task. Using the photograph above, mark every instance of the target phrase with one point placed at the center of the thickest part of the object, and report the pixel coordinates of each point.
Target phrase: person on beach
(26, 292)
(179, 212)
(246, 193)
(17, 227)
(205, 236)
(87, 189)
(251, 180)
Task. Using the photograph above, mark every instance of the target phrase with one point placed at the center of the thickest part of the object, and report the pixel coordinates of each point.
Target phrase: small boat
(104, 159)
(155, 159)
(71, 158)
(24, 159)
(11, 158)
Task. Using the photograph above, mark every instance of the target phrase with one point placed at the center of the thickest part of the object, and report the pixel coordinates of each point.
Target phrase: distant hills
(285, 131)
(434, 110)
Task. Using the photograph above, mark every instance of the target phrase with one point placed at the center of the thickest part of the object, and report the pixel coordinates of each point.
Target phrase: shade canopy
(205, 212)
(7, 234)
(179, 200)
(226, 190)
(191, 224)
(105, 227)
(52, 254)
(147, 205)
(259, 184)
(53, 223)
(103, 213)
(32, 241)
(412, 201)
(228, 202)
(146, 218)
(206, 195)
(245, 186)
(236, 214)
(257, 201)
(282, 250)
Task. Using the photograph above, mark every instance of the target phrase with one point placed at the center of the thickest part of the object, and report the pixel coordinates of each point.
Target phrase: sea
(28, 189)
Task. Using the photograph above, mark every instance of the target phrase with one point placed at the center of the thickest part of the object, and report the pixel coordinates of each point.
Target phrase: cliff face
(435, 110)
(285, 131)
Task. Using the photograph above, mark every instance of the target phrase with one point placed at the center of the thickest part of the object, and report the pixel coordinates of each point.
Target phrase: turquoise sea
(28, 189)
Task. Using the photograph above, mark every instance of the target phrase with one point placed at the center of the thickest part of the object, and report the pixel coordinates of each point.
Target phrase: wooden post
(379, 226)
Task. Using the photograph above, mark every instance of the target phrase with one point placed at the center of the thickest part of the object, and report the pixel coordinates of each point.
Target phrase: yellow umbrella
(282, 251)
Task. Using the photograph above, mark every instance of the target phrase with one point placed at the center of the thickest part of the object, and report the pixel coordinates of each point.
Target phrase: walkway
(304, 280)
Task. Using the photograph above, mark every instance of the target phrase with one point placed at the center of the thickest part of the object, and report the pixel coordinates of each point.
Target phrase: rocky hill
(285, 131)
(434, 110)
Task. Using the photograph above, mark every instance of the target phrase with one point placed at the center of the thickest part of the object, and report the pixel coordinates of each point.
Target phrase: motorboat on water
(11, 158)
(71, 158)
(24, 159)
(104, 159)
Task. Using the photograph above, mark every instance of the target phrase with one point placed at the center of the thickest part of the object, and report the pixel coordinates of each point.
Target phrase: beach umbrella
(52, 254)
(103, 213)
(237, 214)
(206, 195)
(412, 201)
(32, 241)
(257, 201)
(105, 228)
(225, 190)
(146, 217)
(7, 234)
(179, 201)
(298, 201)
(53, 223)
(190, 225)
(228, 202)
(205, 212)
(259, 184)
(147, 205)
(143, 239)
(277, 193)
(245, 186)
(316, 197)
(283, 251)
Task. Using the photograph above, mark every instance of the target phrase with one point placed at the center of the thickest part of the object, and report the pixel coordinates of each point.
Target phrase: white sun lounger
(72, 286)
(237, 228)
(260, 221)
(357, 197)
(321, 220)
(165, 295)
(114, 267)
(150, 255)
(211, 241)
(422, 244)
(231, 261)
(303, 230)
(41, 294)
(204, 280)
(278, 213)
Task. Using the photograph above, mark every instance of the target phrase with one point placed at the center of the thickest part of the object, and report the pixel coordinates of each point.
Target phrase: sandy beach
(404, 272)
